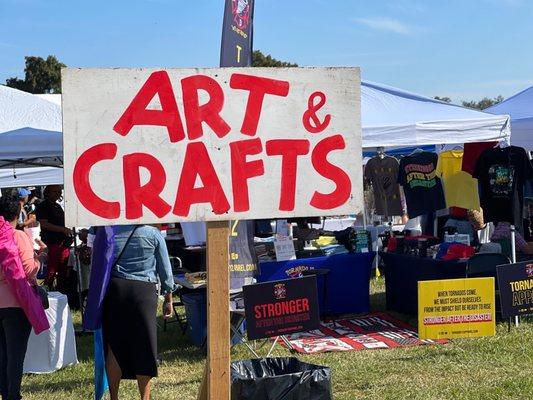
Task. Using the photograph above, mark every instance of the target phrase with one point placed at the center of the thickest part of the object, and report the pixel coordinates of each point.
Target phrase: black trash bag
(281, 378)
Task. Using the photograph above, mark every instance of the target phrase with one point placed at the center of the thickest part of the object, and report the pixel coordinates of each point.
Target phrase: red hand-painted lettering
(343, 189)
(242, 170)
(209, 112)
(158, 83)
(309, 116)
(82, 185)
(198, 163)
(258, 88)
(289, 150)
(147, 195)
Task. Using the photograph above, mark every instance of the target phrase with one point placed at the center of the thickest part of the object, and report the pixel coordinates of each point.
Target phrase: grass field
(499, 367)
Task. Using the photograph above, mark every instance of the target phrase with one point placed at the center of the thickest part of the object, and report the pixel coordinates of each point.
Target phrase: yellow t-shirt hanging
(460, 189)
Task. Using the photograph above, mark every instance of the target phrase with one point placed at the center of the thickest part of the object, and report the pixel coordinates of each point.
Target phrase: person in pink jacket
(20, 307)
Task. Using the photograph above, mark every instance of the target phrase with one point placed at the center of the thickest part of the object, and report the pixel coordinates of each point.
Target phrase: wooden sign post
(145, 146)
(218, 314)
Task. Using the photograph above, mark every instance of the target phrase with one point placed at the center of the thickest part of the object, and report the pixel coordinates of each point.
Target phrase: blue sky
(462, 49)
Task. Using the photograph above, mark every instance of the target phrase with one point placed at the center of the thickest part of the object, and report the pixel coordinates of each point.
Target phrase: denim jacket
(145, 258)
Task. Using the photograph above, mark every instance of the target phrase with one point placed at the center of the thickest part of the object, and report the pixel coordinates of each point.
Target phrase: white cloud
(385, 24)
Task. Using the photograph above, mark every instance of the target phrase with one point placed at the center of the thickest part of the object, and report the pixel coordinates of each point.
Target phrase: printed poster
(456, 308)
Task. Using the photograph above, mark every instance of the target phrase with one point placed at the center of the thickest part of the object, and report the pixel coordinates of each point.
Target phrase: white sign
(283, 228)
(153, 146)
(284, 248)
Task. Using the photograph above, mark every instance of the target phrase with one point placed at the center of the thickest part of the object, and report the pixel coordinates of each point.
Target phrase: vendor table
(56, 347)
(402, 273)
(348, 279)
(182, 281)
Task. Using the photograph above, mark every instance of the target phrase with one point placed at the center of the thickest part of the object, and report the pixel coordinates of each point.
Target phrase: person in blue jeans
(130, 306)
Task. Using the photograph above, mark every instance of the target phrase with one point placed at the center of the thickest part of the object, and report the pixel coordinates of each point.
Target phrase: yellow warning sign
(456, 308)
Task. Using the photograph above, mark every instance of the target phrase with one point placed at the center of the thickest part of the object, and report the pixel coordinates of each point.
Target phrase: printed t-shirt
(422, 186)
(460, 189)
(502, 174)
(53, 213)
(383, 175)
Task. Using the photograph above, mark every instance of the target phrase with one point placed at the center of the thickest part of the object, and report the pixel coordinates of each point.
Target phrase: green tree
(41, 76)
(444, 99)
(260, 60)
(484, 103)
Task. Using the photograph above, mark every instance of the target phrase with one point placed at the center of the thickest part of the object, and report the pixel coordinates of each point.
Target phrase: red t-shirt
(471, 153)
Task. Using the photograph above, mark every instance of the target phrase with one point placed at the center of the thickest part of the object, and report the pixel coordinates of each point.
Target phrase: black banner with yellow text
(236, 48)
(236, 51)
(515, 282)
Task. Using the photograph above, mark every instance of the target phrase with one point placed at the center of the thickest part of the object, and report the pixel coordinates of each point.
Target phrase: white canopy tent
(32, 176)
(520, 108)
(31, 148)
(30, 128)
(395, 118)
(20, 110)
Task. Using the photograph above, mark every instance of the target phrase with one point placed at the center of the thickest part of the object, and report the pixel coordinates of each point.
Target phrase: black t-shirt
(383, 174)
(502, 174)
(53, 213)
(422, 187)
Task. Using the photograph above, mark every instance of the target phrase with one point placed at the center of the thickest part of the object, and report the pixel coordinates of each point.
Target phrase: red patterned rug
(371, 331)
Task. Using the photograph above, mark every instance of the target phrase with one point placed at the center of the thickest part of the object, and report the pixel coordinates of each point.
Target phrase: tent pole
(513, 259)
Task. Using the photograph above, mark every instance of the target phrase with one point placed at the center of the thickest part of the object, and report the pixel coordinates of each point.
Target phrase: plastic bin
(196, 312)
(281, 378)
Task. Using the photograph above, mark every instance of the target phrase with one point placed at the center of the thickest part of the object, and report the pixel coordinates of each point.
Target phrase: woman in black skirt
(130, 306)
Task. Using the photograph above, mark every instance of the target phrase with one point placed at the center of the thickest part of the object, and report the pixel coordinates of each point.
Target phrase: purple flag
(101, 265)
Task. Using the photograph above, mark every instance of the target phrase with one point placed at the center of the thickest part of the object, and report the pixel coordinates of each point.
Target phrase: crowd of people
(141, 270)
(139, 273)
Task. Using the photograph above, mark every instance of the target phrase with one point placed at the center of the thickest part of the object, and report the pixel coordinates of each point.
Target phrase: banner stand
(216, 381)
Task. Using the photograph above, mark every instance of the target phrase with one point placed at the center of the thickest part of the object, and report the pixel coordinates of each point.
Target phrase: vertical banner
(242, 262)
(236, 47)
(236, 51)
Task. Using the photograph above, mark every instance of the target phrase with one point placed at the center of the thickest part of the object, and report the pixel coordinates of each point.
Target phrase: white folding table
(55, 348)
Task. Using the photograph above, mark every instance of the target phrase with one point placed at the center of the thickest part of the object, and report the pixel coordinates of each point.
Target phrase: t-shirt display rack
(381, 172)
(499, 176)
(387, 194)
(495, 172)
